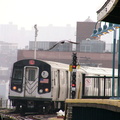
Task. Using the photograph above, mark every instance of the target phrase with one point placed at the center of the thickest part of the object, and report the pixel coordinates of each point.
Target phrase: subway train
(44, 86)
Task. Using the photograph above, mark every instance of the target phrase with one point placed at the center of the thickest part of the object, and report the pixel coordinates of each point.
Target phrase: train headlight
(14, 88)
(46, 89)
(19, 89)
(41, 91)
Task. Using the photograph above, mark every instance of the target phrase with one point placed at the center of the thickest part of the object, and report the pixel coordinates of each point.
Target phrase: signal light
(73, 81)
(74, 76)
(73, 85)
(74, 66)
(73, 94)
(74, 61)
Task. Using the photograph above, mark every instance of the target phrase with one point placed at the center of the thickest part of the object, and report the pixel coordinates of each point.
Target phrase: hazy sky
(26, 13)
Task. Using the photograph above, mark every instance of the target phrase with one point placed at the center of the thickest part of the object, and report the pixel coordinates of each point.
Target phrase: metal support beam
(113, 64)
(119, 65)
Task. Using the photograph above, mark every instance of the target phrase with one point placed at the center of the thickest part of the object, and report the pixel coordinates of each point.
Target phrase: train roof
(58, 64)
(98, 70)
(86, 69)
(51, 63)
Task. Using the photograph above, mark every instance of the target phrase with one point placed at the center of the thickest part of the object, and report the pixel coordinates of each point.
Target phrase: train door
(67, 84)
(63, 86)
(31, 81)
(56, 87)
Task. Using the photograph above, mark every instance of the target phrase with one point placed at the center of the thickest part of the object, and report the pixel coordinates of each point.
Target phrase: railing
(99, 87)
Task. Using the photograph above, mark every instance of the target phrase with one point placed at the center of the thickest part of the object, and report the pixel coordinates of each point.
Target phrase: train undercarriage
(41, 107)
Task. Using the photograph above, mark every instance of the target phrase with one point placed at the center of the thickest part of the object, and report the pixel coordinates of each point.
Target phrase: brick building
(84, 30)
(92, 59)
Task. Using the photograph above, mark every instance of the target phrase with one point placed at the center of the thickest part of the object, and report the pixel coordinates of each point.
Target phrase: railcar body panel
(63, 86)
(94, 85)
(55, 85)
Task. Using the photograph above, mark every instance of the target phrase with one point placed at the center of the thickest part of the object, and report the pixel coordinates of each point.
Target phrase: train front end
(30, 85)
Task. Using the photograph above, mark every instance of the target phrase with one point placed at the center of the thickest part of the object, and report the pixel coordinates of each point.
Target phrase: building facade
(92, 46)
(83, 31)
(8, 55)
(84, 58)
(45, 45)
(8, 48)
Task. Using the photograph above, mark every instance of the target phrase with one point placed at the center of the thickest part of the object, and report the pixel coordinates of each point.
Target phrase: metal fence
(99, 87)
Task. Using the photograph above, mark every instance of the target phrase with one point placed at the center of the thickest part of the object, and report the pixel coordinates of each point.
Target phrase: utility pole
(36, 31)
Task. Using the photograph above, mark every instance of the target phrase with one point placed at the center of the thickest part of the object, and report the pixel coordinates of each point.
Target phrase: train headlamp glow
(46, 89)
(14, 88)
(41, 90)
(19, 89)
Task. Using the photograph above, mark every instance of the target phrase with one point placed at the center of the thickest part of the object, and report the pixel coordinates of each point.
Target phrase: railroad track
(27, 117)
(6, 115)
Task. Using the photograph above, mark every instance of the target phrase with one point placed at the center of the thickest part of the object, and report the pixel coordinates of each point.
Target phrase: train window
(31, 75)
(55, 76)
(18, 73)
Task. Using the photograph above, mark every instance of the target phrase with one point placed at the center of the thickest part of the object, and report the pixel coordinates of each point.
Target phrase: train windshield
(31, 75)
(18, 73)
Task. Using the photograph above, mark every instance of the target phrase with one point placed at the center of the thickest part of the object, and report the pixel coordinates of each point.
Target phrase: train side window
(18, 73)
(54, 77)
